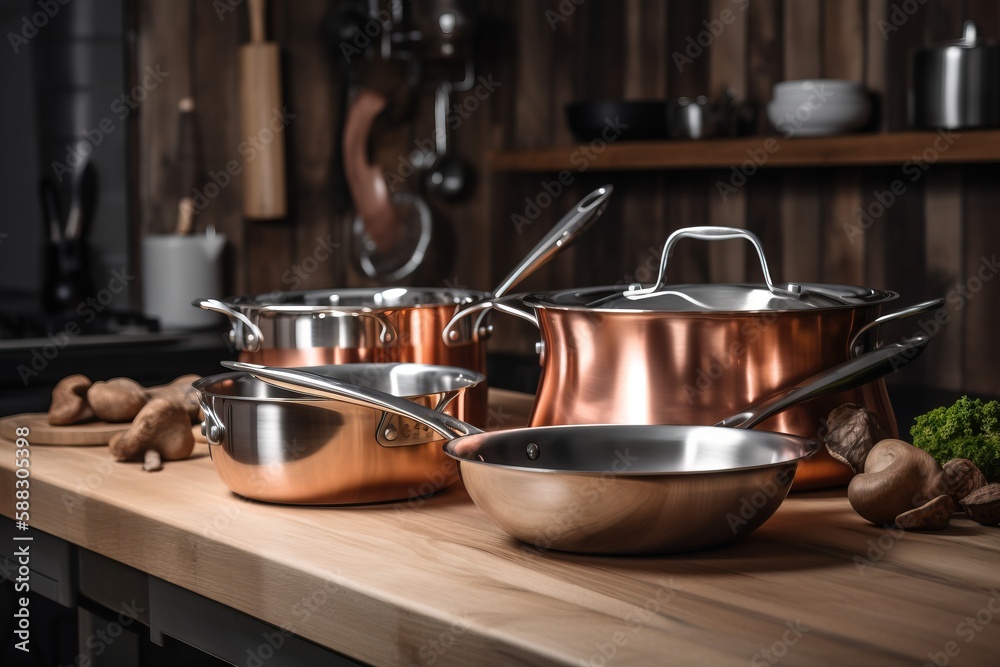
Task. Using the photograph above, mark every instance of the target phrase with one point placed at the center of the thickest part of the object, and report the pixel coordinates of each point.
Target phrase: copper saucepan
(623, 489)
(687, 354)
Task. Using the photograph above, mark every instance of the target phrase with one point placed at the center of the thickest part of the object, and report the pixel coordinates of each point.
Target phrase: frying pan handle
(251, 336)
(917, 309)
(710, 233)
(317, 385)
(861, 370)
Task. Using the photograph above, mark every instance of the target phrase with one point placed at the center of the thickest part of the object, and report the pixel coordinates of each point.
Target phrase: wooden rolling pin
(262, 123)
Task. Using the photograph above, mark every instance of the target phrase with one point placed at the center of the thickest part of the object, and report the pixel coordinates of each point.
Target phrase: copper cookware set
(619, 489)
(664, 354)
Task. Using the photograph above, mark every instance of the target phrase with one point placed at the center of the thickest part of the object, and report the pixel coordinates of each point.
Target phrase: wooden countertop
(434, 582)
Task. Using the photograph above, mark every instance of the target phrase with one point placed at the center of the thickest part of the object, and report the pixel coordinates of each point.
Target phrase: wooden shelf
(845, 150)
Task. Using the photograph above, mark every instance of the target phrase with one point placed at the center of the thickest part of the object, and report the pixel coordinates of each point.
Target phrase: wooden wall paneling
(803, 38)
(843, 252)
(765, 56)
(640, 228)
(944, 263)
(270, 244)
(572, 45)
(310, 94)
(875, 77)
(533, 57)
(164, 36)
(875, 60)
(727, 71)
(843, 58)
(646, 54)
(217, 99)
(535, 68)
(801, 214)
(986, 14)
(905, 258)
(981, 354)
(901, 38)
(687, 193)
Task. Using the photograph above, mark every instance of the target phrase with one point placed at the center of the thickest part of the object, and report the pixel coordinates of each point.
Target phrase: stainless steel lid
(316, 301)
(712, 298)
(665, 298)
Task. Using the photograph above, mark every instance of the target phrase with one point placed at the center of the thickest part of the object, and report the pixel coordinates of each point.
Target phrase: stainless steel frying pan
(623, 489)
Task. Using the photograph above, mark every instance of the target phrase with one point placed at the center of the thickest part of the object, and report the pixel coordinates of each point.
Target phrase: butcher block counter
(434, 582)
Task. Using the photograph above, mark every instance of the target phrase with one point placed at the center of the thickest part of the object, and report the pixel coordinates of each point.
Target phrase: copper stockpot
(692, 354)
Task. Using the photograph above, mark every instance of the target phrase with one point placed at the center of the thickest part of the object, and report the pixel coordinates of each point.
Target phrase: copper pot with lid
(692, 354)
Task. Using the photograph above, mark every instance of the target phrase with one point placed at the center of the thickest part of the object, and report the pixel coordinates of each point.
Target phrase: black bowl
(640, 120)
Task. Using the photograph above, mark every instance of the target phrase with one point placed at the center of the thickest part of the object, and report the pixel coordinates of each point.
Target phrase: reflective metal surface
(694, 354)
(281, 446)
(628, 489)
(372, 325)
(624, 489)
(955, 85)
(698, 368)
(663, 297)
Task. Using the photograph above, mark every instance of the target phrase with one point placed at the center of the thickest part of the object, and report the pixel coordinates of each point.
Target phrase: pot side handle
(916, 309)
(509, 304)
(852, 373)
(252, 335)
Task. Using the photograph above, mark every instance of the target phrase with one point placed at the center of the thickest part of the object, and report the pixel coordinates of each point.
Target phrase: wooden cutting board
(40, 432)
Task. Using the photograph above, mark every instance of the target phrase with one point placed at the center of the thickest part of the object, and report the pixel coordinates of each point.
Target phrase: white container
(176, 270)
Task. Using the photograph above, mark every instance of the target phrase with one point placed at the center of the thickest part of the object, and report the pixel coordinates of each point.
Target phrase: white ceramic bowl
(804, 88)
(816, 116)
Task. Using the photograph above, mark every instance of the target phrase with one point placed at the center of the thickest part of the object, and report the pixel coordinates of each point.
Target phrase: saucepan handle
(917, 309)
(251, 335)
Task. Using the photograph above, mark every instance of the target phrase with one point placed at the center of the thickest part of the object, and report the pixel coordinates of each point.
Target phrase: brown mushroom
(117, 400)
(69, 401)
(934, 515)
(962, 477)
(983, 505)
(182, 393)
(161, 431)
(898, 477)
(852, 430)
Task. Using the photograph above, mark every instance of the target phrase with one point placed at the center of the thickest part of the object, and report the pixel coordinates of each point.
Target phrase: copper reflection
(697, 368)
(419, 342)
